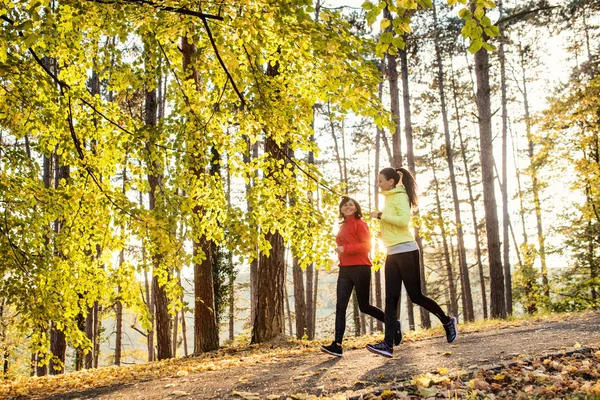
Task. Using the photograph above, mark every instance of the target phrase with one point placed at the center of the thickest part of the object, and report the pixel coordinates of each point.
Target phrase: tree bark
(533, 170)
(462, 255)
(410, 159)
(161, 303)
(299, 300)
(453, 307)
(463, 151)
(498, 305)
(505, 220)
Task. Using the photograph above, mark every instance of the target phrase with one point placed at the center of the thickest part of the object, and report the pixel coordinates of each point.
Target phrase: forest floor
(543, 357)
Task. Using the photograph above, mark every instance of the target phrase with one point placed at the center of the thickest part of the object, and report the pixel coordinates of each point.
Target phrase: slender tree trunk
(505, 241)
(462, 255)
(231, 270)
(119, 320)
(175, 331)
(378, 136)
(184, 330)
(315, 296)
(450, 274)
(253, 154)
(299, 300)
(149, 297)
(410, 159)
(310, 280)
(533, 170)
(471, 202)
(392, 74)
(287, 307)
(498, 304)
(58, 341)
(522, 211)
(161, 303)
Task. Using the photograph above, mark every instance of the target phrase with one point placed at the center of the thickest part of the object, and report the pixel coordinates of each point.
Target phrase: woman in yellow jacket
(399, 188)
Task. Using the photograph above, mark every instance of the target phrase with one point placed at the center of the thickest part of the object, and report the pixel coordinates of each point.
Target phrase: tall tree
(484, 115)
(462, 255)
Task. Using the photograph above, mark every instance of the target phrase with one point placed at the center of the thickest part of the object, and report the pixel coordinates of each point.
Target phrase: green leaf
(475, 45)
(384, 23)
(398, 42)
(386, 37)
(492, 31)
(367, 5)
(479, 13)
(464, 13)
(489, 47)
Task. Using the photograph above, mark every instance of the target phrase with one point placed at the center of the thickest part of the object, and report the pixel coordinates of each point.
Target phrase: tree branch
(179, 10)
(521, 14)
(214, 46)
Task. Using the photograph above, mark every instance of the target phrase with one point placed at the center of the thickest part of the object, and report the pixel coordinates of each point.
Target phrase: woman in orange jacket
(353, 245)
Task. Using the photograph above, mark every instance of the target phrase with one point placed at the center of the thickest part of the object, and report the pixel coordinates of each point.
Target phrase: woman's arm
(363, 245)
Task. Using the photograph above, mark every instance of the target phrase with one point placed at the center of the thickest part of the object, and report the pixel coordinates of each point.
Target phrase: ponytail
(408, 181)
(410, 184)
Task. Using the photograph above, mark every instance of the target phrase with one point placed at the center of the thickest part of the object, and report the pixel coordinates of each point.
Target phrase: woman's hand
(339, 249)
(374, 214)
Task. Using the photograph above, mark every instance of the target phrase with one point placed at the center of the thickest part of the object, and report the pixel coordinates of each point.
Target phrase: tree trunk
(206, 333)
(498, 305)
(533, 170)
(462, 255)
(231, 272)
(161, 303)
(58, 341)
(119, 320)
(410, 158)
(453, 307)
(58, 347)
(505, 241)
(310, 276)
(378, 136)
(268, 323)
(299, 300)
(184, 330)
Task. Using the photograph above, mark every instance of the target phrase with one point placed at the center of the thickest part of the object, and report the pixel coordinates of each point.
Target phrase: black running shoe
(381, 349)
(334, 349)
(398, 335)
(451, 331)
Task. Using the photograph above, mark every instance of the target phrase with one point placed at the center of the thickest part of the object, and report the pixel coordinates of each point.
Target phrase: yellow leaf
(182, 372)
(442, 371)
(423, 381)
(577, 345)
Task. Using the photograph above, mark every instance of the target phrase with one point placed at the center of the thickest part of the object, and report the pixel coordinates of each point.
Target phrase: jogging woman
(353, 245)
(399, 188)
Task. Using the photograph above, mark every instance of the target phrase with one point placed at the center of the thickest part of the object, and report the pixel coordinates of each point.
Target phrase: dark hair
(408, 180)
(357, 213)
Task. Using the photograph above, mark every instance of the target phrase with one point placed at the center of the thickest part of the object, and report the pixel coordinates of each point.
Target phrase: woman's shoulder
(362, 222)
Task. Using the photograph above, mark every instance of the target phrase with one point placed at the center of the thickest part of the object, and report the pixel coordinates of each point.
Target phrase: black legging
(358, 277)
(404, 267)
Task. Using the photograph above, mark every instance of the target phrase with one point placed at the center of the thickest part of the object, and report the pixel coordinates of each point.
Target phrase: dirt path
(319, 374)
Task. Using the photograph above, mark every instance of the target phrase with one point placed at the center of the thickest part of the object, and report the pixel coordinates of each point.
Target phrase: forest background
(170, 170)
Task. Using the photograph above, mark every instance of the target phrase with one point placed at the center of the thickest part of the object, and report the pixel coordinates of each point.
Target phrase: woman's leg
(344, 290)
(409, 268)
(393, 287)
(362, 284)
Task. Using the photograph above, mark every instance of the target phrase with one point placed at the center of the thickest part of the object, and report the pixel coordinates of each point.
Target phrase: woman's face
(384, 183)
(348, 209)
